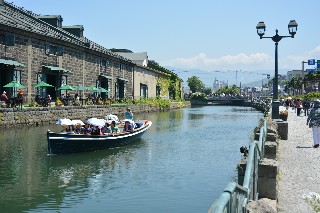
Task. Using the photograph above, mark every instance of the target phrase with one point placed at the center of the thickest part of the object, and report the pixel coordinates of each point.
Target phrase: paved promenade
(299, 166)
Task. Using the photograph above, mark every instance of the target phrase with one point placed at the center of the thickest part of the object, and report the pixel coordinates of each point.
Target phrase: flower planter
(284, 117)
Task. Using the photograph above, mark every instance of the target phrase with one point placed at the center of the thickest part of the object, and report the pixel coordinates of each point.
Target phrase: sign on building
(311, 70)
(311, 62)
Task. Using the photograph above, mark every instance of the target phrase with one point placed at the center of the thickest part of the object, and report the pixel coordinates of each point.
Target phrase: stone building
(36, 48)
(146, 83)
(145, 79)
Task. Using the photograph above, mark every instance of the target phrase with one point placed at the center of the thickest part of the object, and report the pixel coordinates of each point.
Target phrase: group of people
(110, 127)
(43, 101)
(14, 101)
(298, 105)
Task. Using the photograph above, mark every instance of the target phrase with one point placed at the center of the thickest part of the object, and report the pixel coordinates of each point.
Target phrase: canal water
(181, 164)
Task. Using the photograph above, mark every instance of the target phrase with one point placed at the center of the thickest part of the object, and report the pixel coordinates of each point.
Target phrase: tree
(207, 91)
(195, 84)
(233, 90)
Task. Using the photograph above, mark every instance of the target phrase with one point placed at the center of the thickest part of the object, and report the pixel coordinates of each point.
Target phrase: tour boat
(63, 143)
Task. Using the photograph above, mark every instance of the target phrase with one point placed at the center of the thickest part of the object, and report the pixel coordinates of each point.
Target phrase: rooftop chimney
(76, 30)
(54, 20)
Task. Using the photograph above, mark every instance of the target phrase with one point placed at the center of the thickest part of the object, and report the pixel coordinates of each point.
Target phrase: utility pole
(303, 62)
(236, 77)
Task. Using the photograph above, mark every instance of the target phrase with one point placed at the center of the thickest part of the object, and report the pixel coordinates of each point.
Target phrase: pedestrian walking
(298, 105)
(314, 122)
(306, 107)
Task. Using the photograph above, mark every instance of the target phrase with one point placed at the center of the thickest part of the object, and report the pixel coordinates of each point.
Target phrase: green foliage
(313, 199)
(58, 102)
(229, 90)
(198, 97)
(164, 84)
(158, 102)
(293, 85)
(34, 104)
(172, 84)
(312, 96)
(154, 65)
(195, 84)
(76, 103)
(207, 91)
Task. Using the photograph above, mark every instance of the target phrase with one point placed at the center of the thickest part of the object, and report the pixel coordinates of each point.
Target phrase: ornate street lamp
(261, 28)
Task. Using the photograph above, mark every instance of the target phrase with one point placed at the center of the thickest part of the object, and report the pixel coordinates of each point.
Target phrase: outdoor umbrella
(14, 84)
(92, 88)
(66, 87)
(102, 90)
(64, 121)
(81, 88)
(75, 122)
(92, 120)
(43, 84)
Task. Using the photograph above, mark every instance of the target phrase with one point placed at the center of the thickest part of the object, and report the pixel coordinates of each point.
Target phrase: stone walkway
(299, 166)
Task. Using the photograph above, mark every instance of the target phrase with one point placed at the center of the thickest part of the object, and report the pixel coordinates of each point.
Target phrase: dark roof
(22, 19)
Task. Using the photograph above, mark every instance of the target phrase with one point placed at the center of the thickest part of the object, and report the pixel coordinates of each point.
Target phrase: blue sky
(204, 34)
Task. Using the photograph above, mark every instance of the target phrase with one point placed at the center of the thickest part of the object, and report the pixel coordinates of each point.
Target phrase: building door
(122, 89)
(6, 73)
(104, 84)
(52, 80)
(143, 91)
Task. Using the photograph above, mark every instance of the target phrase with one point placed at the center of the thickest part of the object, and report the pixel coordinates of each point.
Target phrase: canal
(181, 164)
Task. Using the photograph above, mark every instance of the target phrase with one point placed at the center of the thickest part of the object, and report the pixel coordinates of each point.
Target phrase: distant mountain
(247, 78)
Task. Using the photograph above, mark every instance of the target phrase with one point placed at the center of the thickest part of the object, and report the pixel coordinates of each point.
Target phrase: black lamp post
(261, 28)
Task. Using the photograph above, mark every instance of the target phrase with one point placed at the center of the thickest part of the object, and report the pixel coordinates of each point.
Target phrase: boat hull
(60, 143)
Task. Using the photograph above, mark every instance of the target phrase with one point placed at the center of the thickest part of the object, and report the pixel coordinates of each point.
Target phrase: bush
(198, 97)
(58, 102)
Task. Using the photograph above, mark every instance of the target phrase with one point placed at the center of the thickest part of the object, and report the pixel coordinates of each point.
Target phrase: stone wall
(43, 115)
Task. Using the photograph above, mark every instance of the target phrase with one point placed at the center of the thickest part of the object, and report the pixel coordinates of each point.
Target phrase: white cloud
(295, 61)
(201, 61)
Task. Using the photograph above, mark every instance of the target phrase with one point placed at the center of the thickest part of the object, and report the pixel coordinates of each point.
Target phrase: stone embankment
(42, 115)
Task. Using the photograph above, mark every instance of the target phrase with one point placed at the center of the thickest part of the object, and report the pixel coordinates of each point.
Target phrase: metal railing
(235, 197)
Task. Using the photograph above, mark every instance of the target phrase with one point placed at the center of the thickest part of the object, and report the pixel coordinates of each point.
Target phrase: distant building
(218, 85)
(295, 74)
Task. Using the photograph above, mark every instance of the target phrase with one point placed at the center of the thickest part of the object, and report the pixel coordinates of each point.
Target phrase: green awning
(11, 62)
(123, 79)
(55, 68)
(106, 76)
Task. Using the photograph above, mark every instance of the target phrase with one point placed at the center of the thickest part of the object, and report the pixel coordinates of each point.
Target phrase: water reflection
(179, 165)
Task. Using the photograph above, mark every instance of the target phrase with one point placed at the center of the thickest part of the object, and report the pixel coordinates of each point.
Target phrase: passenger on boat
(67, 129)
(95, 131)
(87, 129)
(128, 127)
(78, 129)
(129, 114)
(71, 129)
(106, 130)
(64, 128)
(114, 128)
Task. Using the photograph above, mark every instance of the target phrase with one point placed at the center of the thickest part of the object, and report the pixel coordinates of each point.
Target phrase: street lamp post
(261, 28)
(268, 76)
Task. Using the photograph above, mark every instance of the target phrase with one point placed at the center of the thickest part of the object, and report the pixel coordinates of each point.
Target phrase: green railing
(235, 197)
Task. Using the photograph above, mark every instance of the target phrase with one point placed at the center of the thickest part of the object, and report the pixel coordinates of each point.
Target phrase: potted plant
(283, 114)
(58, 102)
